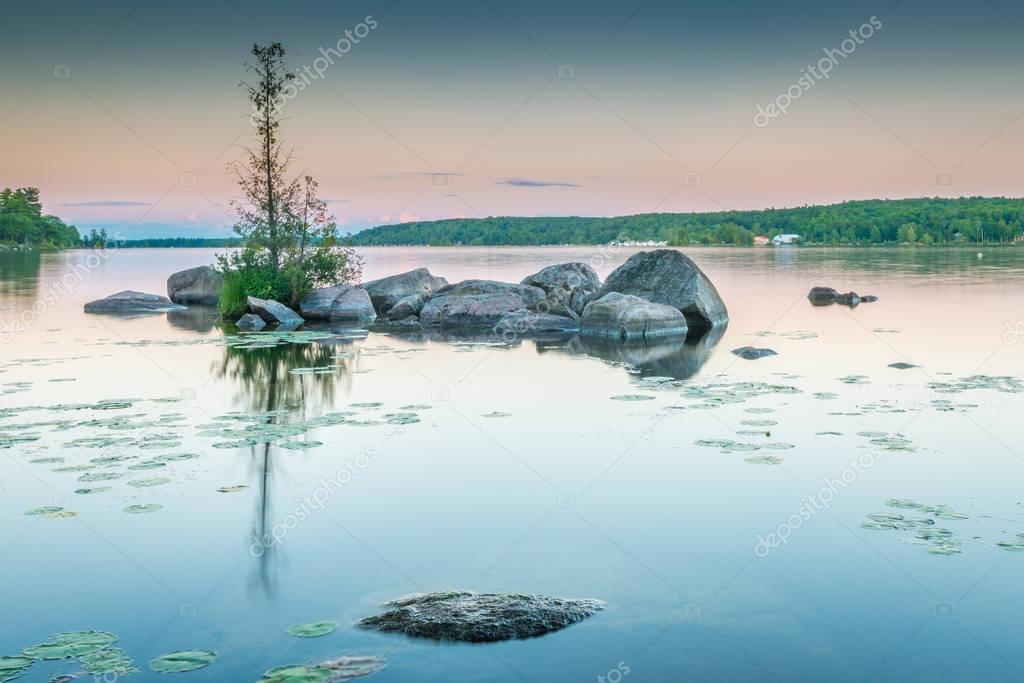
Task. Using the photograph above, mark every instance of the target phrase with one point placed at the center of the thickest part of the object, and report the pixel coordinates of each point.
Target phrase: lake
(815, 515)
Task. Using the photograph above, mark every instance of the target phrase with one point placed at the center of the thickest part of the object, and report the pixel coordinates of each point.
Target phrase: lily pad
(148, 483)
(232, 489)
(142, 509)
(70, 644)
(108, 662)
(633, 397)
(14, 667)
(764, 460)
(185, 660)
(298, 674)
(313, 629)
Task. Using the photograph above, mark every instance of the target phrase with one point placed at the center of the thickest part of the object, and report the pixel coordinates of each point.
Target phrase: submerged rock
(250, 321)
(822, 296)
(199, 285)
(479, 617)
(274, 312)
(622, 316)
(340, 302)
(850, 299)
(752, 353)
(524, 323)
(132, 303)
(666, 276)
(387, 292)
(478, 302)
(568, 285)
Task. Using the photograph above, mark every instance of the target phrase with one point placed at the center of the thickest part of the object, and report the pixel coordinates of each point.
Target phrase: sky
(126, 114)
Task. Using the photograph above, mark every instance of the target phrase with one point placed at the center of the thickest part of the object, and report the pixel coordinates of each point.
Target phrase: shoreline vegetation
(994, 221)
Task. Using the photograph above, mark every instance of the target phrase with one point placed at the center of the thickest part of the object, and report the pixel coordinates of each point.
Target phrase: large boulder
(132, 303)
(407, 306)
(199, 285)
(340, 302)
(478, 302)
(388, 291)
(479, 617)
(666, 276)
(627, 317)
(274, 312)
(571, 285)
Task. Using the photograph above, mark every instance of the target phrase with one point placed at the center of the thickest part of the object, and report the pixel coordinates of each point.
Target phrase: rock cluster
(654, 295)
(826, 296)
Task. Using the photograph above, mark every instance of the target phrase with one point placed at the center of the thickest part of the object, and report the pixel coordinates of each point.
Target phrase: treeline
(180, 243)
(23, 224)
(903, 221)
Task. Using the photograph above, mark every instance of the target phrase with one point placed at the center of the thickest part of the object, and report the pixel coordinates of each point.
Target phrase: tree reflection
(267, 387)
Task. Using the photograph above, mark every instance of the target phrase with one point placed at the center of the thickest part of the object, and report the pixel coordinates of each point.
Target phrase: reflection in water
(19, 275)
(195, 318)
(656, 358)
(268, 389)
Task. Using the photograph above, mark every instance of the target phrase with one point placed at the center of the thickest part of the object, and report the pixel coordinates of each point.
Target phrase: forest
(24, 225)
(903, 221)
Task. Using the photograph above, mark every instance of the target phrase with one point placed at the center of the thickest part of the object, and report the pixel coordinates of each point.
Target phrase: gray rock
(902, 365)
(274, 312)
(751, 353)
(849, 299)
(132, 303)
(479, 617)
(478, 302)
(387, 292)
(410, 305)
(250, 321)
(623, 316)
(822, 296)
(523, 323)
(201, 285)
(340, 302)
(568, 285)
(666, 276)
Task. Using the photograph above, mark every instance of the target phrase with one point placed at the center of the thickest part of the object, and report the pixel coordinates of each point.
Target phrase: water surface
(509, 467)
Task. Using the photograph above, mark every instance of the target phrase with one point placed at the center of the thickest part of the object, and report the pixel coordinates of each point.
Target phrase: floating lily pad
(313, 629)
(300, 445)
(764, 460)
(70, 644)
(14, 667)
(52, 512)
(232, 489)
(633, 397)
(148, 483)
(298, 674)
(108, 662)
(714, 443)
(347, 668)
(185, 660)
(92, 489)
(142, 509)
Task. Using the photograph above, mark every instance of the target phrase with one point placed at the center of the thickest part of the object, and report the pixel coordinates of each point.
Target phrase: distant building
(760, 241)
(780, 240)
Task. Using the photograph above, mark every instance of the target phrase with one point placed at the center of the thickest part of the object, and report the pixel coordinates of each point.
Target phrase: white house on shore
(781, 240)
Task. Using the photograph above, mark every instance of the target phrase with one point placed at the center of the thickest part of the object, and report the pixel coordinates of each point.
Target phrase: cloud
(107, 202)
(526, 182)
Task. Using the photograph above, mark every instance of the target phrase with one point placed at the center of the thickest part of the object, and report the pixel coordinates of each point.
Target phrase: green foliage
(942, 221)
(289, 241)
(23, 223)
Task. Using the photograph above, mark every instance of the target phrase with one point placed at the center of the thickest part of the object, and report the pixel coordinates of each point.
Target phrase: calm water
(564, 492)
